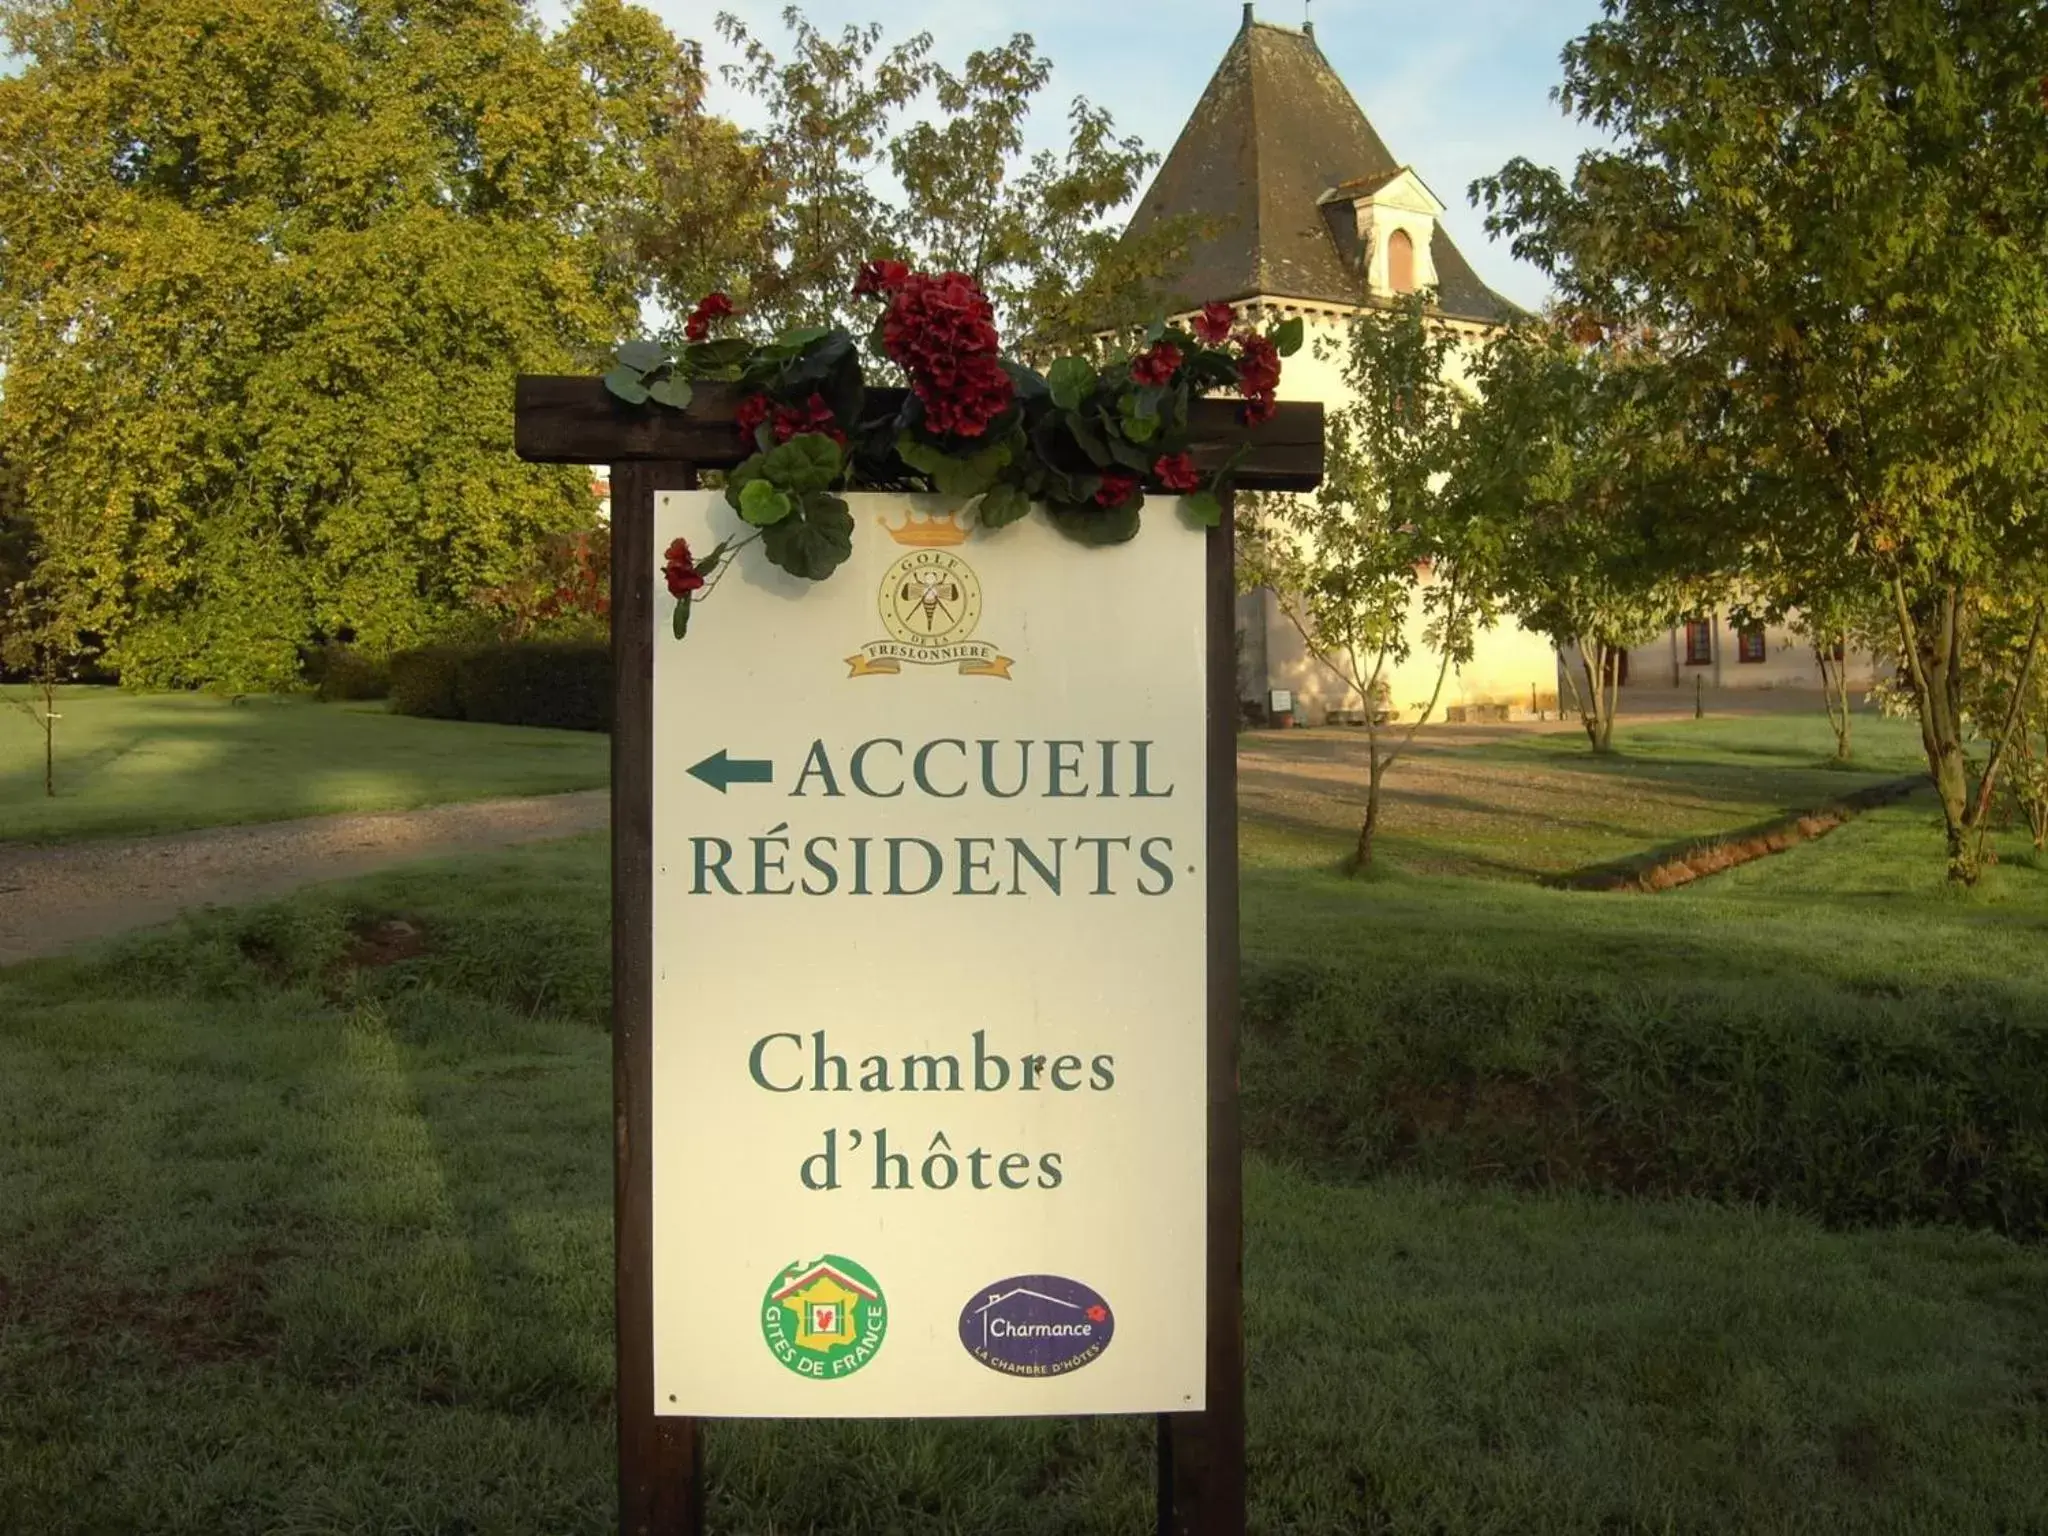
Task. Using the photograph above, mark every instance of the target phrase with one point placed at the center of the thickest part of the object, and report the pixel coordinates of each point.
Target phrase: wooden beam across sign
(1201, 1474)
(578, 421)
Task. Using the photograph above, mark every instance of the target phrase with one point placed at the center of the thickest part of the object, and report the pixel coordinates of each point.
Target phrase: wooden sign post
(1002, 1282)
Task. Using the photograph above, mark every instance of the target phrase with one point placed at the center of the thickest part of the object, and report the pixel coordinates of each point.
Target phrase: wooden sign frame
(1201, 1473)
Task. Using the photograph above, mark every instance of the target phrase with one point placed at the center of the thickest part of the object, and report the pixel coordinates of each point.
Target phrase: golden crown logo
(930, 603)
(940, 532)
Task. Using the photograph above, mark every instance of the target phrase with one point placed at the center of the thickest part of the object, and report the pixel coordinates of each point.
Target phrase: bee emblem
(930, 597)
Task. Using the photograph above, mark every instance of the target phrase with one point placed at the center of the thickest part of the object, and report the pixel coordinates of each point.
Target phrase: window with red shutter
(1699, 643)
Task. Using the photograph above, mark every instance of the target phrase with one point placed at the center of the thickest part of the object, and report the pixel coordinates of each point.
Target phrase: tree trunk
(1933, 653)
(1597, 706)
(1592, 703)
(1361, 857)
(50, 740)
(1952, 784)
(1611, 662)
(1834, 682)
(1948, 763)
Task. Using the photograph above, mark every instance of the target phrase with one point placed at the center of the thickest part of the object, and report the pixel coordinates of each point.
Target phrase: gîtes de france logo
(824, 1319)
(1036, 1325)
(931, 604)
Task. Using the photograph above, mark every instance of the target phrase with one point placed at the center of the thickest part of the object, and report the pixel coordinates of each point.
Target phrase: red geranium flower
(1213, 324)
(1177, 472)
(1258, 365)
(680, 570)
(942, 332)
(932, 319)
(1117, 488)
(713, 306)
(1098, 1313)
(1156, 366)
(751, 413)
(882, 276)
(1258, 376)
(976, 394)
(814, 415)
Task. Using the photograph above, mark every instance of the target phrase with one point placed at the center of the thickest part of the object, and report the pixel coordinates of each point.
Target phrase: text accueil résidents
(782, 862)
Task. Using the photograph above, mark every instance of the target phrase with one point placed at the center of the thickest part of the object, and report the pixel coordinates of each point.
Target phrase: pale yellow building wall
(1788, 662)
(1510, 666)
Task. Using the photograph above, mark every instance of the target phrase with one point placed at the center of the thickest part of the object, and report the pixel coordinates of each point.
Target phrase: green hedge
(423, 682)
(341, 672)
(558, 683)
(1856, 1109)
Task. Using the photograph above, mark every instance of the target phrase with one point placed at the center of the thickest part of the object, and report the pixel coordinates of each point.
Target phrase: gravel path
(55, 898)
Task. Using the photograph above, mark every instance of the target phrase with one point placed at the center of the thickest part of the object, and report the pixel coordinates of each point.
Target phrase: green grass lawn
(1505, 803)
(292, 1244)
(295, 1242)
(162, 762)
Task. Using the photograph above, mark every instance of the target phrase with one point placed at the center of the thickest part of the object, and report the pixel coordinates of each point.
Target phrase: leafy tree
(565, 593)
(1379, 539)
(829, 105)
(271, 271)
(1577, 466)
(1034, 232)
(1834, 210)
(676, 194)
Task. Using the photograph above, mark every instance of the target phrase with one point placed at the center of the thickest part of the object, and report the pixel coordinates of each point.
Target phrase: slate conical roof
(1274, 131)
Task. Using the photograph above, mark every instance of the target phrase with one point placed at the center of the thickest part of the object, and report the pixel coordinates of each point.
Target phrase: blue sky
(1455, 87)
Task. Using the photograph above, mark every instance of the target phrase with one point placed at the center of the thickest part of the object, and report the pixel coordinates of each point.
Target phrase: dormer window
(1392, 221)
(1401, 262)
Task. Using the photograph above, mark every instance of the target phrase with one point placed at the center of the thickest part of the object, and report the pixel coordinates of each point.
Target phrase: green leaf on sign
(1124, 450)
(951, 476)
(1287, 337)
(625, 383)
(1087, 439)
(682, 618)
(1099, 526)
(642, 356)
(1069, 379)
(1206, 509)
(1003, 505)
(1029, 383)
(809, 461)
(706, 358)
(673, 392)
(740, 476)
(815, 542)
(763, 505)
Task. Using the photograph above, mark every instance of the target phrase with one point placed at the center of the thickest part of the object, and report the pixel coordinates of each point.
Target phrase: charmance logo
(1036, 1325)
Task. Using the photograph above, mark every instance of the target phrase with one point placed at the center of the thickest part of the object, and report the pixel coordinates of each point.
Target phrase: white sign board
(930, 917)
